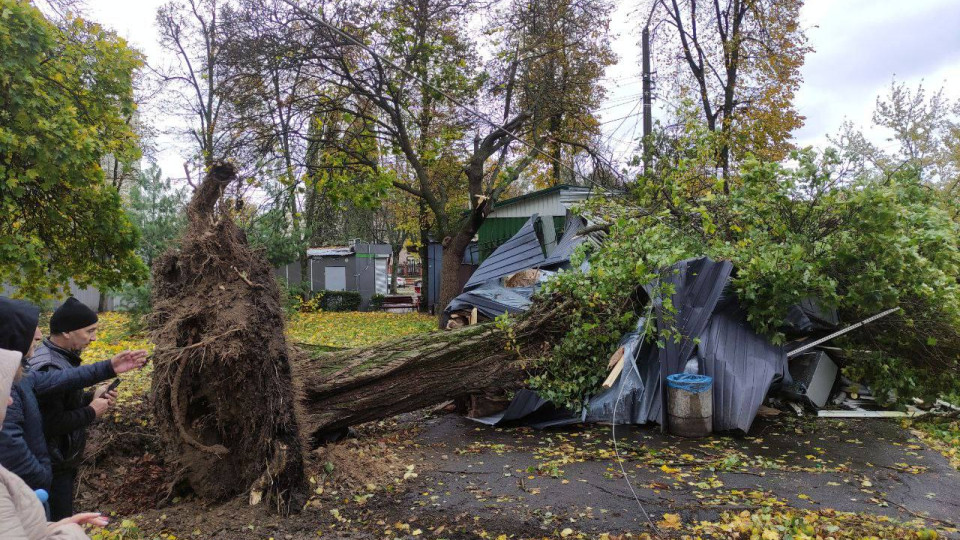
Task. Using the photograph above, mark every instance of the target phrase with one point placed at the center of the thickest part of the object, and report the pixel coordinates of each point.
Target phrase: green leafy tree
(861, 243)
(271, 231)
(67, 101)
(157, 210)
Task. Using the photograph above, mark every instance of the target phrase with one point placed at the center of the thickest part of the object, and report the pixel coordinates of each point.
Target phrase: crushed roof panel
(524, 250)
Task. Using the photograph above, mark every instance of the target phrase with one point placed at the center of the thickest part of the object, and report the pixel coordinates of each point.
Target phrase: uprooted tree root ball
(222, 379)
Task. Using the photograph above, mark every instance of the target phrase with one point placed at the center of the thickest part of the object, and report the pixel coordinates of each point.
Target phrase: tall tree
(418, 70)
(156, 208)
(740, 60)
(925, 130)
(272, 101)
(67, 97)
(566, 47)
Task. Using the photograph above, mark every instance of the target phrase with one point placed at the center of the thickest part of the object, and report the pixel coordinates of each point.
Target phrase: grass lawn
(355, 329)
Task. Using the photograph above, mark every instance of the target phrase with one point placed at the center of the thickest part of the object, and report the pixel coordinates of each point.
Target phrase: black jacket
(66, 415)
(23, 449)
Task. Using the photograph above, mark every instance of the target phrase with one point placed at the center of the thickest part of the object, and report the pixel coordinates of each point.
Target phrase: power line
(453, 100)
(612, 120)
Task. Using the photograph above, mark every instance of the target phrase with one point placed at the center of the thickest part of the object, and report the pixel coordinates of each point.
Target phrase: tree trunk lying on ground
(346, 388)
(237, 410)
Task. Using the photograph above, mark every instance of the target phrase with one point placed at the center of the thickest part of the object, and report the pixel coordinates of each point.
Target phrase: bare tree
(190, 29)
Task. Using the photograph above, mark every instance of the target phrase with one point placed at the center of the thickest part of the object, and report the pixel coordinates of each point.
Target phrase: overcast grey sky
(860, 45)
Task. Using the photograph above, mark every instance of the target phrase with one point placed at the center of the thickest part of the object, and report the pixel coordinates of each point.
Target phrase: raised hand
(128, 360)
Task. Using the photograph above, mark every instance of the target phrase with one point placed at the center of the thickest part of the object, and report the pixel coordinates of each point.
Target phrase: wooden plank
(612, 378)
(473, 316)
(864, 414)
(615, 358)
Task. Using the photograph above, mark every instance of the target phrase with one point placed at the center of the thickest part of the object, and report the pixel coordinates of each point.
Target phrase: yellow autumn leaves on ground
(355, 329)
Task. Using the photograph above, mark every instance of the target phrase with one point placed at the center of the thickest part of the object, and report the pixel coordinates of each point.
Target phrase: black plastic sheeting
(809, 316)
(711, 327)
(528, 408)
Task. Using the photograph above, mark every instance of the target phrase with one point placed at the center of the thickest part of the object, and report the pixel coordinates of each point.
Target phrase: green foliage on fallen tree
(803, 230)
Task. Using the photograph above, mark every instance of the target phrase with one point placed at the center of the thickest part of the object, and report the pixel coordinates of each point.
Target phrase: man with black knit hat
(23, 448)
(66, 415)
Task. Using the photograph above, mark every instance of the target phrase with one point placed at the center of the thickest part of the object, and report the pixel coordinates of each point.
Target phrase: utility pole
(647, 100)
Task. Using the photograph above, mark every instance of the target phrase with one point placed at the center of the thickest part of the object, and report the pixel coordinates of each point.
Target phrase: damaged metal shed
(508, 278)
(715, 338)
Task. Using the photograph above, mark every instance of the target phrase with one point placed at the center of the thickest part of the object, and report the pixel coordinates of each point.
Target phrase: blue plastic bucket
(695, 384)
(690, 404)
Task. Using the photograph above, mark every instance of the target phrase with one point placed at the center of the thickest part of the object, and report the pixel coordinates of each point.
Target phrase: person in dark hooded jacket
(23, 448)
(66, 414)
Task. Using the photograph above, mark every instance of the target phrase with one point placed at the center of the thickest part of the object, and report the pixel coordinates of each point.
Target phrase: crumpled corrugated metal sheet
(743, 365)
(713, 328)
(570, 241)
(710, 324)
(560, 257)
(492, 300)
(523, 250)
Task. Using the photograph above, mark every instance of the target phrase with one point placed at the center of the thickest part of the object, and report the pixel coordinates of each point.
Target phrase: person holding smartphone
(66, 415)
(21, 514)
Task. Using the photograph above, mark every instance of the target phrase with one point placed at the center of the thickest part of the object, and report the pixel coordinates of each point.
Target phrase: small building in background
(509, 215)
(360, 267)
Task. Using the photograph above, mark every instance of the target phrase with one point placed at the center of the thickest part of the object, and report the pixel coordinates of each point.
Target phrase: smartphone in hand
(113, 386)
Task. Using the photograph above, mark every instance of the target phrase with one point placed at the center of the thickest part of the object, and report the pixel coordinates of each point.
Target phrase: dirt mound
(222, 383)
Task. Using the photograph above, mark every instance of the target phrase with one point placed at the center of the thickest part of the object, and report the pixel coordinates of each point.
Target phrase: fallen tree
(346, 388)
(236, 408)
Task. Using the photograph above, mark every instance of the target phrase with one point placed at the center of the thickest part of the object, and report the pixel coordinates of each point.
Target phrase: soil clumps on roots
(222, 379)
